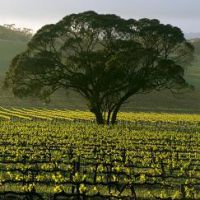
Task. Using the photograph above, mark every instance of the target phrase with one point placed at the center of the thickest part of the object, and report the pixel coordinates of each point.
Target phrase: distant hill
(192, 35)
(8, 50)
(193, 71)
(13, 41)
(10, 32)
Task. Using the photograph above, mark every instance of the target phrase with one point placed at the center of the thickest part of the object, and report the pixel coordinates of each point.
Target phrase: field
(64, 155)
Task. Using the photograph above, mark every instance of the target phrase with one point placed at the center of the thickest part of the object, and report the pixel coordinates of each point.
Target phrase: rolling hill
(155, 101)
(8, 50)
(12, 42)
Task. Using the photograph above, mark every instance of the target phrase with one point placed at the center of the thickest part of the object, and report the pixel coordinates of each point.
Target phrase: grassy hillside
(12, 42)
(193, 72)
(156, 101)
(8, 50)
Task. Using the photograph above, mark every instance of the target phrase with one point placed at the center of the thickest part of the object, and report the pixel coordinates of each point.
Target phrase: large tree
(104, 58)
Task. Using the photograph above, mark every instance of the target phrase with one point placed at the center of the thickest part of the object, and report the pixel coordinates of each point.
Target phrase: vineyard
(61, 154)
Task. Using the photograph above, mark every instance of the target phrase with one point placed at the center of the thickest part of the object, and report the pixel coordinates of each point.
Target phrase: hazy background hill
(8, 50)
(13, 41)
(192, 35)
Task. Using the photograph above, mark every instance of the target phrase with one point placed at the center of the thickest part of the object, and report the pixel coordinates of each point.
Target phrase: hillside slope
(193, 71)
(12, 42)
(156, 101)
(8, 50)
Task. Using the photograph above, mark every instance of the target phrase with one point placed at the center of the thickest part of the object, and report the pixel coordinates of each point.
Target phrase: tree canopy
(105, 58)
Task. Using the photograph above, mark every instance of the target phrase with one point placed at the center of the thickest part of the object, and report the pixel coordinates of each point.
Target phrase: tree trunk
(108, 117)
(99, 117)
(119, 104)
(114, 114)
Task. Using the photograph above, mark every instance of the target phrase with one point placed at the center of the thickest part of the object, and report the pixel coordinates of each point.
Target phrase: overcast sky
(36, 13)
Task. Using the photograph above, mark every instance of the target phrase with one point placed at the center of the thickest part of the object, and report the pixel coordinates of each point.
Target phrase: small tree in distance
(104, 58)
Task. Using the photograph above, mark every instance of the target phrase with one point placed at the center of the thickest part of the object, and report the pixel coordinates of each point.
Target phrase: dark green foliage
(104, 58)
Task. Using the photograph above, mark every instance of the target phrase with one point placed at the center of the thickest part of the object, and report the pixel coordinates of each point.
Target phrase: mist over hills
(10, 32)
(13, 41)
(192, 35)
